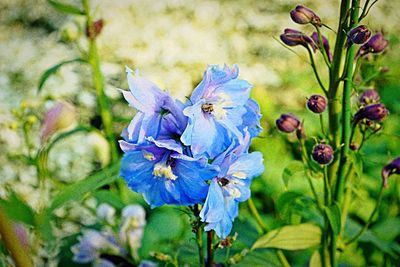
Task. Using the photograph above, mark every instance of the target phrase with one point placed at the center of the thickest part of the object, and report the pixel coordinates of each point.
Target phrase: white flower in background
(132, 227)
(106, 212)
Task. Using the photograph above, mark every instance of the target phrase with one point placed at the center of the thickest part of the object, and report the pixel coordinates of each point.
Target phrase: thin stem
(199, 235)
(322, 48)
(257, 217)
(321, 122)
(312, 62)
(98, 80)
(210, 256)
(11, 241)
(347, 198)
(327, 188)
(365, 227)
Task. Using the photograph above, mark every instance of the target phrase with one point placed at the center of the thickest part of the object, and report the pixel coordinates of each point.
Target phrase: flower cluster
(99, 247)
(194, 152)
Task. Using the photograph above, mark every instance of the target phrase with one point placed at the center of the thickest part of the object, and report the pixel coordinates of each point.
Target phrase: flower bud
(323, 154)
(358, 35)
(369, 96)
(392, 168)
(354, 146)
(316, 103)
(292, 37)
(325, 42)
(304, 15)
(96, 28)
(59, 117)
(288, 123)
(376, 44)
(374, 112)
(105, 212)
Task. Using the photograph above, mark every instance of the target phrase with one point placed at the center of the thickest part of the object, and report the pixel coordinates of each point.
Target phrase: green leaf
(18, 210)
(65, 8)
(293, 169)
(292, 237)
(61, 136)
(53, 70)
(109, 197)
(334, 215)
(315, 260)
(90, 184)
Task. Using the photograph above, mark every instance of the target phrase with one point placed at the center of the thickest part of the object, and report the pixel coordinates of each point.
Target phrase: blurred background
(171, 42)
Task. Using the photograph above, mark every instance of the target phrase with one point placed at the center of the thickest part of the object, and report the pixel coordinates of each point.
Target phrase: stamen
(223, 181)
(207, 108)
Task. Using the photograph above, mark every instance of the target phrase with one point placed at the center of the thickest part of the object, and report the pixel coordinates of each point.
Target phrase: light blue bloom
(158, 115)
(104, 263)
(215, 113)
(231, 186)
(251, 119)
(164, 174)
(132, 227)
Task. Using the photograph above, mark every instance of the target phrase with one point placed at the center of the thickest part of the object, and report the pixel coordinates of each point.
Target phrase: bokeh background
(171, 42)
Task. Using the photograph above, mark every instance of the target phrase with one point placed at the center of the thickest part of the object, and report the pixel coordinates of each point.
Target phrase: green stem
(11, 241)
(321, 122)
(365, 227)
(98, 80)
(257, 217)
(327, 188)
(347, 198)
(199, 235)
(322, 48)
(312, 62)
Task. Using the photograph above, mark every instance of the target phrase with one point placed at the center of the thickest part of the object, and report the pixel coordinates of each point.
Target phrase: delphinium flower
(215, 113)
(200, 157)
(230, 186)
(132, 227)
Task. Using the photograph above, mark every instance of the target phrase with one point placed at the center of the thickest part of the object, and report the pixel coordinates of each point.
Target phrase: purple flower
(303, 15)
(292, 37)
(374, 112)
(216, 110)
(325, 43)
(157, 114)
(392, 168)
(230, 186)
(375, 44)
(162, 172)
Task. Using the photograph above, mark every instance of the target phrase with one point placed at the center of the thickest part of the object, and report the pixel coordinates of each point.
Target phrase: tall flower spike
(215, 116)
(157, 113)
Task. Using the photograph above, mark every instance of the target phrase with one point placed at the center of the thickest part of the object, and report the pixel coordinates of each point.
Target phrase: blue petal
(213, 209)
(169, 144)
(252, 117)
(247, 165)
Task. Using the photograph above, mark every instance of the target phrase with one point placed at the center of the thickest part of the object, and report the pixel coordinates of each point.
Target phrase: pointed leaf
(334, 215)
(293, 169)
(18, 210)
(292, 237)
(53, 70)
(65, 8)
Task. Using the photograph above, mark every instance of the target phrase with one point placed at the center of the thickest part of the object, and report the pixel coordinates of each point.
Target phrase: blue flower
(251, 119)
(215, 115)
(164, 174)
(158, 115)
(231, 186)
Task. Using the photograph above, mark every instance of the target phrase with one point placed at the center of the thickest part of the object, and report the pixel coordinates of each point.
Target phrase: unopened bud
(288, 123)
(374, 112)
(316, 103)
(292, 37)
(60, 117)
(94, 30)
(369, 96)
(304, 15)
(354, 146)
(358, 35)
(323, 154)
(325, 43)
(376, 44)
(392, 168)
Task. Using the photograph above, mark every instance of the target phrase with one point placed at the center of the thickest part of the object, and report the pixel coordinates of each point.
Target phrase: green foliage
(18, 210)
(333, 214)
(293, 170)
(65, 8)
(292, 237)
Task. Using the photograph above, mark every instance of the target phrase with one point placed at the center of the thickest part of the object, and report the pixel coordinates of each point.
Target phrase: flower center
(207, 108)
(223, 181)
(162, 170)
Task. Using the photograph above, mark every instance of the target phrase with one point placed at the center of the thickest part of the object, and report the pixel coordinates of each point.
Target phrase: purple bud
(288, 123)
(96, 28)
(374, 112)
(392, 168)
(293, 38)
(316, 103)
(376, 44)
(304, 15)
(323, 154)
(325, 42)
(354, 146)
(358, 35)
(369, 96)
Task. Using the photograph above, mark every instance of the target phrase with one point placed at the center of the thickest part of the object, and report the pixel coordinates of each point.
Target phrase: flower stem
(198, 229)
(365, 227)
(316, 71)
(11, 241)
(210, 256)
(263, 226)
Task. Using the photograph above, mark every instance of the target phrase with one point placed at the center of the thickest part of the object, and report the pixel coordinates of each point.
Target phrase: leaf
(334, 217)
(293, 169)
(61, 136)
(109, 197)
(53, 70)
(18, 210)
(292, 237)
(78, 190)
(65, 8)
(315, 260)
